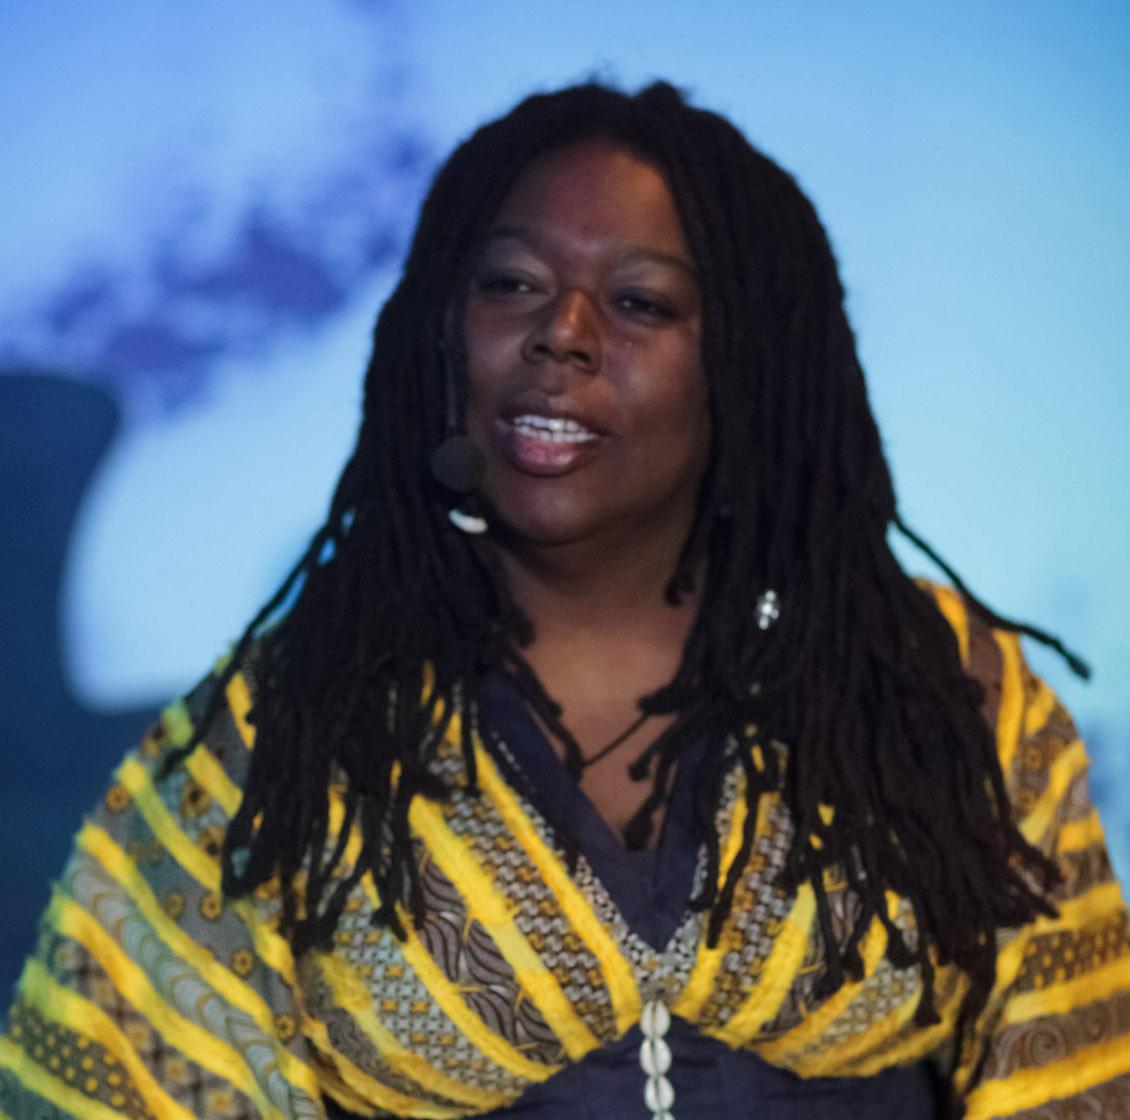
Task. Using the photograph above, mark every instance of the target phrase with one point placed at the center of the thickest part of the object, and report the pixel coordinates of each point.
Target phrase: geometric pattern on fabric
(151, 995)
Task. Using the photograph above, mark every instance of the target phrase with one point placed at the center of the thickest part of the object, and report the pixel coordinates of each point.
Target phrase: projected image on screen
(213, 201)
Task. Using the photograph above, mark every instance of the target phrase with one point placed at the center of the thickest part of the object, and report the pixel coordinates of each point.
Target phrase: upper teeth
(556, 429)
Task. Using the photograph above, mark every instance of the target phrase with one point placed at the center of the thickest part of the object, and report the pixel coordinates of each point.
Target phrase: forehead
(594, 189)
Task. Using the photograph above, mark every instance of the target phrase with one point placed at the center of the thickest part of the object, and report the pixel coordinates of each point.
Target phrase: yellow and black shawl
(150, 995)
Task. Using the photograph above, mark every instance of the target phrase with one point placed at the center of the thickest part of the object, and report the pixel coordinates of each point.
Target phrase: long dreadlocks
(392, 617)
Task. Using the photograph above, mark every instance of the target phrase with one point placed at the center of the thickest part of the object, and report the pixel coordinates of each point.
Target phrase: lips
(551, 429)
(545, 441)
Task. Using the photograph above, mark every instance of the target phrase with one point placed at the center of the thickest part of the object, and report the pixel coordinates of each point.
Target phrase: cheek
(483, 355)
(674, 427)
(688, 411)
(678, 399)
(492, 340)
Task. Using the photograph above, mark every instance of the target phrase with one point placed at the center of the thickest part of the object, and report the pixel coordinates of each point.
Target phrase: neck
(603, 628)
(607, 581)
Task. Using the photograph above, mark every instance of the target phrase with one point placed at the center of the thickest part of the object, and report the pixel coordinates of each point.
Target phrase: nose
(567, 331)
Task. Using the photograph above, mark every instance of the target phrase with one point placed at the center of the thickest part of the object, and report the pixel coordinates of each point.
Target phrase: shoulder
(217, 715)
(992, 657)
(139, 943)
(169, 798)
(1038, 747)
(154, 842)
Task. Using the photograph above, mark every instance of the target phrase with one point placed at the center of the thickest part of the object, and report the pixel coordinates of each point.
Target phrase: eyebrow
(629, 254)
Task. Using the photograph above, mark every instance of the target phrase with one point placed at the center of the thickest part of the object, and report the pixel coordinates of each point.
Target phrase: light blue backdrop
(203, 206)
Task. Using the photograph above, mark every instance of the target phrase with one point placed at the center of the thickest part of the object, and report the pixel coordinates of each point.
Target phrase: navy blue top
(652, 888)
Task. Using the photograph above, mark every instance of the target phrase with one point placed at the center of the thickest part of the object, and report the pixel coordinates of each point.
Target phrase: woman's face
(582, 329)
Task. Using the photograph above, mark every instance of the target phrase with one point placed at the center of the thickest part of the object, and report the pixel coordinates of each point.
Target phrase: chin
(541, 531)
(542, 514)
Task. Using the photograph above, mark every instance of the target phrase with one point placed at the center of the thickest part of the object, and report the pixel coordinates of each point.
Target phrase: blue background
(204, 205)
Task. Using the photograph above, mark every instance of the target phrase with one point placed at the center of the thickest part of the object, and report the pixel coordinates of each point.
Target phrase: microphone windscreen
(458, 465)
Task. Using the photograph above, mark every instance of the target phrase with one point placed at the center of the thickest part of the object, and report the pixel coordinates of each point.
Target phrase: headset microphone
(458, 465)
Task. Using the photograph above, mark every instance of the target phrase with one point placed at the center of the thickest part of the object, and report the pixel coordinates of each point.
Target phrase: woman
(598, 758)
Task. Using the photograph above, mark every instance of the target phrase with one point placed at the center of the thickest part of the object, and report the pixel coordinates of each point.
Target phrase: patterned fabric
(150, 995)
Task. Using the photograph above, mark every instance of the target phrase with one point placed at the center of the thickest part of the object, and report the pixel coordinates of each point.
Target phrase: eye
(505, 283)
(641, 305)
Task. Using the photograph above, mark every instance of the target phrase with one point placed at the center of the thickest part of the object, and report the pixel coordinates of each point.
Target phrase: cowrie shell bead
(658, 1094)
(655, 1019)
(467, 522)
(655, 1056)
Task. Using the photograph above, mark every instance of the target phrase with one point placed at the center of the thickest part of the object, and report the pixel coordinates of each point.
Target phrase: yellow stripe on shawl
(779, 972)
(178, 726)
(70, 1101)
(1038, 709)
(451, 1003)
(124, 872)
(205, 1049)
(205, 768)
(1056, 999)
(827, 1063)
(1075, 836)
(1010, 959)
(352, 850)
(1082, 1070)
(950, 603)
(707, 961)
(201, 866)
(918, 1042)
(335, 1086)
(365, 1094)
(239, 703)
(617, 971)
(859, 1048)
(449, 1000)
(1090, 906)
(810, 1029)
(201, 764)
(356, 997)
(270, 946)
(68, 1009)
(1064, 769)
(492, 910)
(1011, 710)
(1093, 905)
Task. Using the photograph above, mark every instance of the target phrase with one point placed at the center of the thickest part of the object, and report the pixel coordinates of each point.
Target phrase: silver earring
(767, 609)
(466, 522)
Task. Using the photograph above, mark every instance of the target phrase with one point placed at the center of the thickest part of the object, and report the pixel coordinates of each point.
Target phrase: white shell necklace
(655, 1060)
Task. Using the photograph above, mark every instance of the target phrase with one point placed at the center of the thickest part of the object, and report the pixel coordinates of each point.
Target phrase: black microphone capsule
(458, 465)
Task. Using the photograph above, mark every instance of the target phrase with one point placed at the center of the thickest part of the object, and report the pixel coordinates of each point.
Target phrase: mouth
(551, 429)
(545, 445)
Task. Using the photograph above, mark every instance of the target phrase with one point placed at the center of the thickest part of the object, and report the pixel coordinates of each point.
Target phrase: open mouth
(551, 429)
(545, 445)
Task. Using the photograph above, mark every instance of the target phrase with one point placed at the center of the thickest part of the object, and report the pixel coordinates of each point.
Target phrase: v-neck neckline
(651, 887)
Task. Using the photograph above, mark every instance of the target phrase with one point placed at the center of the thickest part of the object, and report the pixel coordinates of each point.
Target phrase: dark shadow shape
(55, 754)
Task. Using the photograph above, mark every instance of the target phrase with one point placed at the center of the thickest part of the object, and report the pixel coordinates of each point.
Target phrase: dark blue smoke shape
(277, 272)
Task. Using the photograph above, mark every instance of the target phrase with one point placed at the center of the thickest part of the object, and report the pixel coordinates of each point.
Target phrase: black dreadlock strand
(394, 617)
